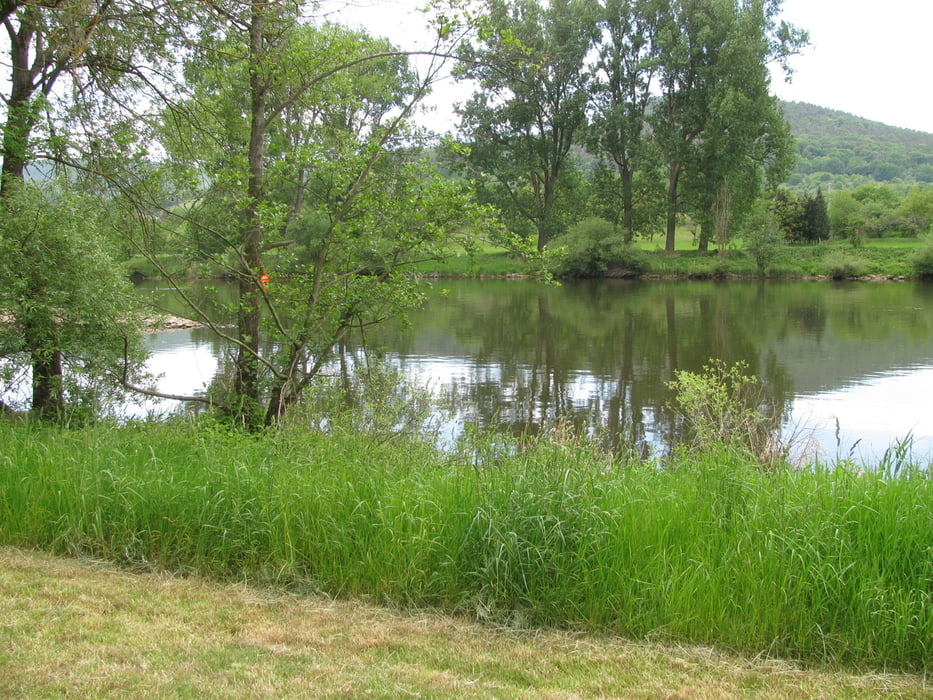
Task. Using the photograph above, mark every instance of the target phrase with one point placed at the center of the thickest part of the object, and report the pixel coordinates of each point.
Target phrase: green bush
(764, 240)
(840, 265)
(922, 260)
(594, 247)
(723, 406)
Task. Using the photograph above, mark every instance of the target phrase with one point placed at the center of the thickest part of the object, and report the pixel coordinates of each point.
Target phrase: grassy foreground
(823, 565)
(80, 629)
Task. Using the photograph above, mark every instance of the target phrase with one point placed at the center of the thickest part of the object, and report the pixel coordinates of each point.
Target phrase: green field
(876, 257)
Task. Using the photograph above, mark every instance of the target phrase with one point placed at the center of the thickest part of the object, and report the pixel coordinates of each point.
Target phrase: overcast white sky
(872, 59)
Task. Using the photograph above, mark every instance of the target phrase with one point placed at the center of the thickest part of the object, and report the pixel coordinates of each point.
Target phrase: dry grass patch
(82, 629)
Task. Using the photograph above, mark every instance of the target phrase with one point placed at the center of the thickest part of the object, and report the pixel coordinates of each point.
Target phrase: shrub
(624, 258)
(594, 247)
(721, 405)
(922, 260)
(763, 240)
(840, 265)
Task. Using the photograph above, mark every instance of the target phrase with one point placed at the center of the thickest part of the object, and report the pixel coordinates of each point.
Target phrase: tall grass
(824, 564)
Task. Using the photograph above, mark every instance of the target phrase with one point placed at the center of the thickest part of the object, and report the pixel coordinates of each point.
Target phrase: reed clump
(828, 564)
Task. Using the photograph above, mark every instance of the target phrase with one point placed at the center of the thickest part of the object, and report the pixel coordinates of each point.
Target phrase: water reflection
(184, 363)
(600, 354)
(520, 355)
(861, 419)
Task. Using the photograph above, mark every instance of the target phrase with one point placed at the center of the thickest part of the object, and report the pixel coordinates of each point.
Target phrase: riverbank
(83, 628)
(827, 565)
(879, 259)
(875, 260)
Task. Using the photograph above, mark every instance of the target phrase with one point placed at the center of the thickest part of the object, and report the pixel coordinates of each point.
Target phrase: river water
(850, 365)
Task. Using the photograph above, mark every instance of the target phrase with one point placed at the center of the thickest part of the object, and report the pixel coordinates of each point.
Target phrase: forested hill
(838, 150)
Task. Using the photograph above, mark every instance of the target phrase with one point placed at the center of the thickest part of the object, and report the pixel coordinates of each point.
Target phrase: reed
(824, 563)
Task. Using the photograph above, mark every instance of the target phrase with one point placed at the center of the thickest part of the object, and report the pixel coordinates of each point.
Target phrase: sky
(867, 58)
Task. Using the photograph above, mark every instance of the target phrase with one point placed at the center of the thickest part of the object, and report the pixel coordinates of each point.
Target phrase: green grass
(684, 240)
(486, 261)
(821, 564)
(882, 257)
(878, 257)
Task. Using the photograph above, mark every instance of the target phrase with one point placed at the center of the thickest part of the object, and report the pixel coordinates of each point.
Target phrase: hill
(839, 150)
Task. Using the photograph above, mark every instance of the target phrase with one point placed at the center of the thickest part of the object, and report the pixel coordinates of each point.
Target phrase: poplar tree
(625, 72)
(716, 122)
(529, 61)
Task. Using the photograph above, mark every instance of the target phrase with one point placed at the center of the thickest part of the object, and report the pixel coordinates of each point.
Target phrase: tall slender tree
(531, 69)
(716, 122)
(622, 91)
(298, 148)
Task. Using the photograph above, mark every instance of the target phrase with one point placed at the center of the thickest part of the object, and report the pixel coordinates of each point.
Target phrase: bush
(922, 260)
(763, 240)
(722, 406)
(594, 247)
(840, 265)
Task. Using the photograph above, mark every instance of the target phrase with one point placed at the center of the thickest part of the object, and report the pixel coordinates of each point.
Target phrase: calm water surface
(849, 364)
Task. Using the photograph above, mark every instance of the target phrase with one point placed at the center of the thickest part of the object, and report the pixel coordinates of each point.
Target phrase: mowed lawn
(77, 628)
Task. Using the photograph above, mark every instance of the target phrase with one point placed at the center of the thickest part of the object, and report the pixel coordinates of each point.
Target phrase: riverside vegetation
(883, 258)
(708, 545)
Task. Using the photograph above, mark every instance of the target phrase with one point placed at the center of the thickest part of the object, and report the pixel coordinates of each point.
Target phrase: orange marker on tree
(264, 279)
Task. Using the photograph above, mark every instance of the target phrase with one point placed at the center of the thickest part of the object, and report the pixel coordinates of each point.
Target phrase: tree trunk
(627, 177)
(19, 121)
(48, 394)
(722, 215)
(40, 335)
(545, 224)
(247, 400)
(673, 180)
(706, 236)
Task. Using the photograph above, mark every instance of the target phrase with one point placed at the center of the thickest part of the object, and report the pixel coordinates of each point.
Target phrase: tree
(530, 64)
(788, 209)
(625, 71)
(716, 121)
(803, 218)
(763, 238)
(292, 133)
(847, 218)
(815, 218)
(916, 210)
(97, 45)
(70, 314)
(879, 204)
